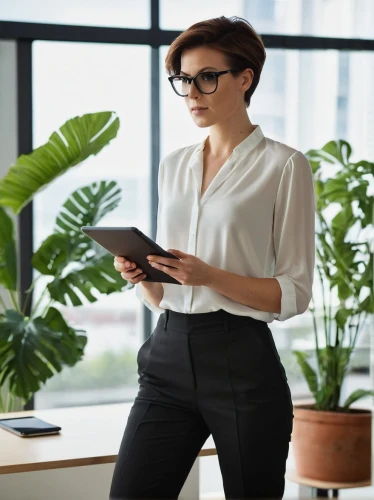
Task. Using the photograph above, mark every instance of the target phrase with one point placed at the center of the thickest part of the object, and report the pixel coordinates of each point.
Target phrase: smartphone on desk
(28, 426)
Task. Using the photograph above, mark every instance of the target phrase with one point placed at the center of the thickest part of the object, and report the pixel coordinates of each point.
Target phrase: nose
(194, 92)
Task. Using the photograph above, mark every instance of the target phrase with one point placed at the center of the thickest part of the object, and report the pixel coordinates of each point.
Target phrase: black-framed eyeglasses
(206, 81)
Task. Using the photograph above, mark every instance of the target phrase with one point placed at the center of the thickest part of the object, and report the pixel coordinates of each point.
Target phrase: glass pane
(304, 99)
(299, 17)
(70, 79)
(113, 13)
(177, 128)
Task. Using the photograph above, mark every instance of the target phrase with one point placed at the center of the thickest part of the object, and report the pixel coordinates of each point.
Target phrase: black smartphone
(28, 426)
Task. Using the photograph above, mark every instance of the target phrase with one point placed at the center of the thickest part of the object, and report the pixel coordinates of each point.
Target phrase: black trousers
(200, 374)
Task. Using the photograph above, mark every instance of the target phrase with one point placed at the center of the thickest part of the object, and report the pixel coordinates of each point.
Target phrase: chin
(203, 123)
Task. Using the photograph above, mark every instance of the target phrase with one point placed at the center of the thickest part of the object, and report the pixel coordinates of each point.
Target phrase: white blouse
(255, 219)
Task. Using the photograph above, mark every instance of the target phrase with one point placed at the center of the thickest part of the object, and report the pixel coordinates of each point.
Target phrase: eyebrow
(203, 69)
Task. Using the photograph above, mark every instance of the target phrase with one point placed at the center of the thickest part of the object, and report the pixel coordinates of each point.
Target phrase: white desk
(78, 462)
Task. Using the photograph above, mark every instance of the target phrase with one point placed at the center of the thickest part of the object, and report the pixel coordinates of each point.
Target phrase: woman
(238, 212)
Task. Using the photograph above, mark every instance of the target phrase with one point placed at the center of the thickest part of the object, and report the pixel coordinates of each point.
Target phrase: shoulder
(287, 157)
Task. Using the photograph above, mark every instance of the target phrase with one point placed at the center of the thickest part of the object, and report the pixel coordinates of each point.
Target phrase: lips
(198, 108)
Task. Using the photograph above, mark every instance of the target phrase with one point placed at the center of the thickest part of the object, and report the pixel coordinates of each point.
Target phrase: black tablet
(28, 426)
(131, 243)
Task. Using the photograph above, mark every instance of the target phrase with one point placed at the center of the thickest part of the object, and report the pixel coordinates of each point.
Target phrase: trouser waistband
(184, 322)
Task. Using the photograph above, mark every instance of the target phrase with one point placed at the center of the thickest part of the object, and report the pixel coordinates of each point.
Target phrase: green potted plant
(331, 440)
(34, 347)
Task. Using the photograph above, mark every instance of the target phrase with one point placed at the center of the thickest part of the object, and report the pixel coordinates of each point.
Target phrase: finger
(163, 261)
(134, 277)
(127, 266)
(165, 269)
(140, 278)
(131, 274)
(158, 259)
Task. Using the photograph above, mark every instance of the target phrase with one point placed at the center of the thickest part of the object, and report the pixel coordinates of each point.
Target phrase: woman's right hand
(128, 270)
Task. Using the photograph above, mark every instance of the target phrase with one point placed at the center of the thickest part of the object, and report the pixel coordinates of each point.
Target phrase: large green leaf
(32, 351)
(81, 268)
(341, 317)
(97, 275)
(84, 207)
(87, 206)
(341, 150)
(76, 140)
(308, 372)
(335, 189)
(76, 276)
(356, 395)
(8, 255)
(315, 156)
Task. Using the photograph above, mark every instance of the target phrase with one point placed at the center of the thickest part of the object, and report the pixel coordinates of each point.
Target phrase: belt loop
(166, 318)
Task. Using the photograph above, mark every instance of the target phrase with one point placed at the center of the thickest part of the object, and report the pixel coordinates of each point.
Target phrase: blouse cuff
(288, 300)
(139, 294)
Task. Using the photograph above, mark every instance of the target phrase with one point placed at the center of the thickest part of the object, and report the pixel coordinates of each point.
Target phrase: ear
(247, 78)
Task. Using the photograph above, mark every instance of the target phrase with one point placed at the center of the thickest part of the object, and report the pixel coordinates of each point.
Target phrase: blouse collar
(245, 146)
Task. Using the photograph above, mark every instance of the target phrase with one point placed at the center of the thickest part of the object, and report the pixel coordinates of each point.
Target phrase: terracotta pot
(332, 446)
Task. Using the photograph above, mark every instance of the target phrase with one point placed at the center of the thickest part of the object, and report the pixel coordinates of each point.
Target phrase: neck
(224, 137)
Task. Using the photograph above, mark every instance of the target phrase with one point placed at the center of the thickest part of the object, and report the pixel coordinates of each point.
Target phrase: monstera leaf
(87, 206)
(8, 256)
(79, 265)
(32, 351)
(74, 142)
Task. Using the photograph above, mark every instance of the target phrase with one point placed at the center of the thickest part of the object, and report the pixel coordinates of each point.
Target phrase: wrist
(149, 285)
(212, 276)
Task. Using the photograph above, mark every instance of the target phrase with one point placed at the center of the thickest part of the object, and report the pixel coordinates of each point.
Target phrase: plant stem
(38, 302)
(330, 318)
(28, 293)
(347, 281)
(9, 402)
(14, 300)
(3, 303)
(324, 305)
(359, 327)
(50, 303)
(318, 354)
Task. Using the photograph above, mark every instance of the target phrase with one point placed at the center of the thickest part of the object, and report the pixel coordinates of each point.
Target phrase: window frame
(24, 34)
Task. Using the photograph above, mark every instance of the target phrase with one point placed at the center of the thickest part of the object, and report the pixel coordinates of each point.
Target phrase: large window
(71, 79)
(327, 18)
(114, 13)
(304, 99)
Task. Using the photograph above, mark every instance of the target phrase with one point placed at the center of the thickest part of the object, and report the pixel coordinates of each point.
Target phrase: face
(227, 100)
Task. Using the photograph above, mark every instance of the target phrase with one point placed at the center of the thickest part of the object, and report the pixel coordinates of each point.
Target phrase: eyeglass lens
(206, 82)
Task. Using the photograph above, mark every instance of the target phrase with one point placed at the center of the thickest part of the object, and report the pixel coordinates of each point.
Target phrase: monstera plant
(344, 263)
(34, 347)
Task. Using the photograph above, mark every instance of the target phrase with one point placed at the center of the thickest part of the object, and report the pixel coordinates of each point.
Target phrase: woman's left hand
(190, 270)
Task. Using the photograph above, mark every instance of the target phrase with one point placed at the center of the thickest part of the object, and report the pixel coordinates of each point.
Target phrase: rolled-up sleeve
(294, 236)
(138, 287)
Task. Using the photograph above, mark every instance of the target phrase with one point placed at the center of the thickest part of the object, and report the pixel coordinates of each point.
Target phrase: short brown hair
(233, 36)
